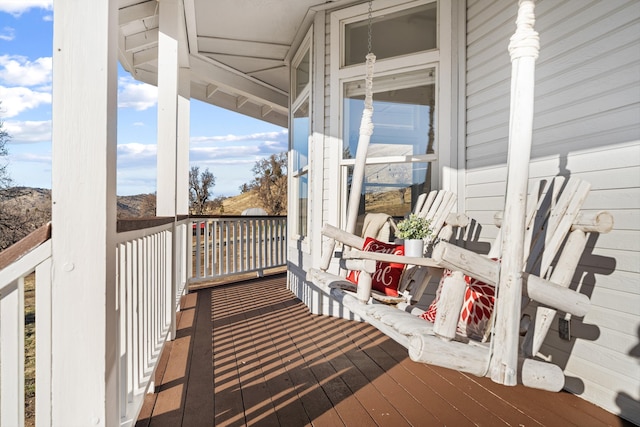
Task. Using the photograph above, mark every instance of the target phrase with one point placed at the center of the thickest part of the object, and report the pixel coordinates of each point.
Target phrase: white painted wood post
(166, 199)
(84, 318)
(174, 80)
(183, 137)
(524, 49)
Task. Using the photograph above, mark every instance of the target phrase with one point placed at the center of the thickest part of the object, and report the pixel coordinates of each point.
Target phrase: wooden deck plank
(251, 354)
(256, 390)
(198, 405)
(228, 404)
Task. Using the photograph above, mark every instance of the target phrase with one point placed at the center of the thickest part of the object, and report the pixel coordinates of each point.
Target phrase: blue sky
(227, 143)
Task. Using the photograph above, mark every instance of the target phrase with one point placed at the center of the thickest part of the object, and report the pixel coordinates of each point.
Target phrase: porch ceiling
(238, 50)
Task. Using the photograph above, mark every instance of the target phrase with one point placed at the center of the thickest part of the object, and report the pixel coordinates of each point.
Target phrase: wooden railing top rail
(236, 216)
(24, 246)
(132, 224)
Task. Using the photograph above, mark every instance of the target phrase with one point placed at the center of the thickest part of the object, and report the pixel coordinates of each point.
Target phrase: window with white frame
(300, 135)
(403, 150)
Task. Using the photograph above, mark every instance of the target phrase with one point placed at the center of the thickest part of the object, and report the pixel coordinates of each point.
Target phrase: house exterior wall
(586, 124)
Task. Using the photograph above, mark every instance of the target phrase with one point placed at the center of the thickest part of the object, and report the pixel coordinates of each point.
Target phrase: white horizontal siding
(587, 125)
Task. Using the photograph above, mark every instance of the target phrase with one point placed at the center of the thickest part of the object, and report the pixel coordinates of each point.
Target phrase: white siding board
(586, 333)
(602, 375)
(626, 198)
(624, 240)
(623, 281)
(487, 176)
(626, 219)
(625, 302)
(621, 178)
(612, 319)
(600, 159)
(621, 364)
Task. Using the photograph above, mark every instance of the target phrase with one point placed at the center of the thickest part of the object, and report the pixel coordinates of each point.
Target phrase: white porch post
(183, 131)
(174, 80)
(173, 114)
(84, 321)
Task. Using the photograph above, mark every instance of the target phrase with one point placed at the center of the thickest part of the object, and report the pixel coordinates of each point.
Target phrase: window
(394, 34)
(403, 153)
(300, 136)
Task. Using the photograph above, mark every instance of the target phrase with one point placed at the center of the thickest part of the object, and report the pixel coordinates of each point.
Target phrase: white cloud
(221, 154)
(29, 131)
(18, 7)
(15, 100)
(7, 34)
(134, 153)
(20, 71)
(240, 149)
(260, 136)
(139, 96)
(39, 158)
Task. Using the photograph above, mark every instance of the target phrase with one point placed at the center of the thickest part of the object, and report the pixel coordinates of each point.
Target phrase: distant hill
(38, 200)
(235, 205)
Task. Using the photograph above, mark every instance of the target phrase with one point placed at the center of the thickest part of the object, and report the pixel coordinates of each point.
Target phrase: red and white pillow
(387, 275)
(475, 317)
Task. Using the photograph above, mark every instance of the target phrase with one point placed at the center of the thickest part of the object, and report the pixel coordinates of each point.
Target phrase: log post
(524, 47)
(449, 306)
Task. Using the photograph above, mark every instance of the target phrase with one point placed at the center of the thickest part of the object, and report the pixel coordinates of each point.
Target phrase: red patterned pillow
(475, 317)
(387, 276)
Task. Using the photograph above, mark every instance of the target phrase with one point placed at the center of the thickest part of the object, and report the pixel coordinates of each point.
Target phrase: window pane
(392, 188)
(301, 136)
(303, 197)
(403, 115)
(408, 31)
(301, 75)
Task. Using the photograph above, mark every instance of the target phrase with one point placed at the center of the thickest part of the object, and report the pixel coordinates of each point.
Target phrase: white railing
(226, 246)
(148, 298)
(12, 335)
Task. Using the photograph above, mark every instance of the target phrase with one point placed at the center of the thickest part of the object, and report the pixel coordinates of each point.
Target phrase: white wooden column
(183, 132)
(167, 108)
(84, 321)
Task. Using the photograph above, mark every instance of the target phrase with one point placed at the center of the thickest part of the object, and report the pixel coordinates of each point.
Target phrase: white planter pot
(414, 247)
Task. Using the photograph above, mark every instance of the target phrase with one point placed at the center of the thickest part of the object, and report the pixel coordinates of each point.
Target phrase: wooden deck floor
(251, 354)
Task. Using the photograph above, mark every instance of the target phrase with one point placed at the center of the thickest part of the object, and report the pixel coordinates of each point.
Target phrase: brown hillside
(235, 205)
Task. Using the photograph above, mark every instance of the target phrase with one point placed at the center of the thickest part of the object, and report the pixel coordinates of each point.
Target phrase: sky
(227, 143)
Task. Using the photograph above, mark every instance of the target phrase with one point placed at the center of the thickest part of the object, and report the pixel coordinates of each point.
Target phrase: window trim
(445, 171)
(305, 95)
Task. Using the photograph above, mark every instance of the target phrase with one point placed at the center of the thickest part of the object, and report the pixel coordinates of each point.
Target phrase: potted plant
(414, 230)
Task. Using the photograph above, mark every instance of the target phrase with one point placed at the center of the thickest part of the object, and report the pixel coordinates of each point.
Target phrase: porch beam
(137, 12)
(140, 41)
(84, 345)
(242, 85)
